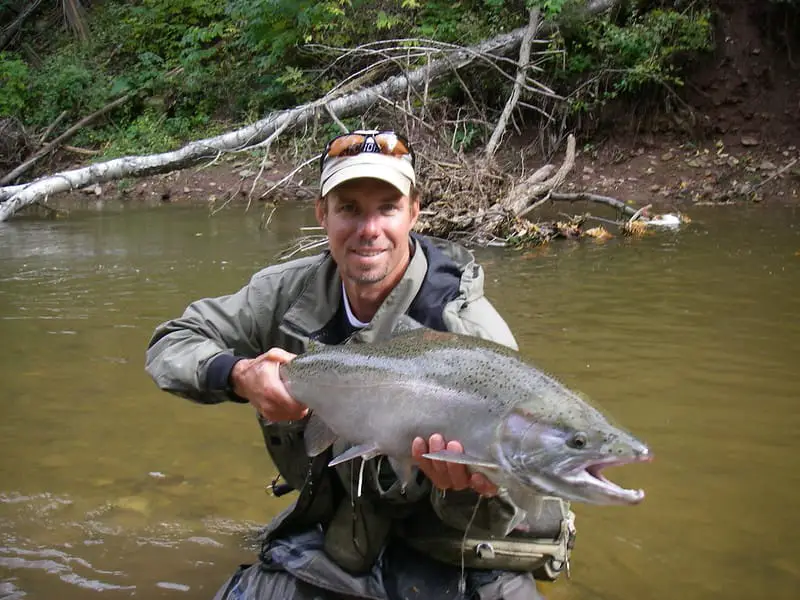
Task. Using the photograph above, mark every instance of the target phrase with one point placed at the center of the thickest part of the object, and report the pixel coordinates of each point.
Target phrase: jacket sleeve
(181, 350)
(498, 515)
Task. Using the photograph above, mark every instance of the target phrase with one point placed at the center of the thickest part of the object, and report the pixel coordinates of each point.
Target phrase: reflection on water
(690, 340)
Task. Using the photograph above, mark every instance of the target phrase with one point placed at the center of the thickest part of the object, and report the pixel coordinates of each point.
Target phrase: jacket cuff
(218, 375)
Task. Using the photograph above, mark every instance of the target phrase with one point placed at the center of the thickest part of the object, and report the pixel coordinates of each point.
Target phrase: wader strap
(313, 485)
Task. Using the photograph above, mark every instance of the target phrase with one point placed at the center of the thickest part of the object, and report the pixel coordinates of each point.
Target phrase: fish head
(563, 452)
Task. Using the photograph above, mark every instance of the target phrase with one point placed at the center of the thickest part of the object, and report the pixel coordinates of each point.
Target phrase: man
(333, 543)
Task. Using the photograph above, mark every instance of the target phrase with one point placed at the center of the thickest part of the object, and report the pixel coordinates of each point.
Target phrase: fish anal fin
(461, 459)
(318, 436)
(364, 451)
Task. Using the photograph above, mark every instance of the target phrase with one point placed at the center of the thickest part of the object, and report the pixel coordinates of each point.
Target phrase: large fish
(524, 430)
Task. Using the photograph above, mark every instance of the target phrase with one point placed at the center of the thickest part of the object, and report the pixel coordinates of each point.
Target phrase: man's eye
(388, 208)
(346, 208)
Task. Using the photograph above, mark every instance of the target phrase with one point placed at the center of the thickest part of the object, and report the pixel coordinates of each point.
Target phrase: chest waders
(542, 547)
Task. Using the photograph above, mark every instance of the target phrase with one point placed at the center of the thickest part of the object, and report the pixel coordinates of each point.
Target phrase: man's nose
(369, 226)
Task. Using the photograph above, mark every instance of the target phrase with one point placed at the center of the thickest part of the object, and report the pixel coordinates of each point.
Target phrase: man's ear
(321, 211)
(414, 208)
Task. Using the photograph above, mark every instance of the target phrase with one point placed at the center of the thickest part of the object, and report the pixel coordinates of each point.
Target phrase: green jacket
(287, 305)
(283, 305)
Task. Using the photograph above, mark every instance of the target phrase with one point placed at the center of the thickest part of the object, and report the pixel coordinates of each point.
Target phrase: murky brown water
(690, 340)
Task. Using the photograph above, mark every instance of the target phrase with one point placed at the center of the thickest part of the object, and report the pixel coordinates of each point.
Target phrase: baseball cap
(368, 154)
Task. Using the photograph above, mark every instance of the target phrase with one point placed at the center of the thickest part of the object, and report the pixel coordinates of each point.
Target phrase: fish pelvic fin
(405, 471)
(462, 459)
(318, 436)
(364, 451)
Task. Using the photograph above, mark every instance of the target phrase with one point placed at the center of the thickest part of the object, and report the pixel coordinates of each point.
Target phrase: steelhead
(523, 429)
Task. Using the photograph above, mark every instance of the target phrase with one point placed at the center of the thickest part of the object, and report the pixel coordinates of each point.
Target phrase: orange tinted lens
(391, 144)
(349, 145)
(346, 145)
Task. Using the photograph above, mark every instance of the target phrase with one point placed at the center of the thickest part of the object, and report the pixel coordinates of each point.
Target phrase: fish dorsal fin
(364, 451)
(318, 436)
(405, 324)
(462, 459)
(389, 328)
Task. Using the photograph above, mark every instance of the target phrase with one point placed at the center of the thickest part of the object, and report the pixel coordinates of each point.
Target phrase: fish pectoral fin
(364, 451)
(318, 436)
(461, 459)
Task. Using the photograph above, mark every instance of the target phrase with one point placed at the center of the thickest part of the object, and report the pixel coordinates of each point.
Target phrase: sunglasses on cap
(388, 143)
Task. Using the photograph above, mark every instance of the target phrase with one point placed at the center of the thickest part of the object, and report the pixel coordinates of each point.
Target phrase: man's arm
(193, 356)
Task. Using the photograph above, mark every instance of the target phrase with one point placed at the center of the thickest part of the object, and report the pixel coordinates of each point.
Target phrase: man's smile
(367, 252)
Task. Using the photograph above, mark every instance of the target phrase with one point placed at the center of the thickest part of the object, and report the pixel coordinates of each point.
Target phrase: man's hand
(259, 381)
(445, 475)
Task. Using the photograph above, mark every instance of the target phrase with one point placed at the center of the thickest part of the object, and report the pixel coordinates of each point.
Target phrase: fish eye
(578, 440)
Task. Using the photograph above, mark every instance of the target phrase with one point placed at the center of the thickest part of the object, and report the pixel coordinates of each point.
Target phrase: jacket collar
(320, 299)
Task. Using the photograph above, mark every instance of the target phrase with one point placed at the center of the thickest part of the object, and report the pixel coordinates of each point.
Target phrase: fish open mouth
(591, 476)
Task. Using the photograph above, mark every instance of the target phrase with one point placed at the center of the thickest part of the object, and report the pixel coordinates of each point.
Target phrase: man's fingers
(446, 475)
(436, 444)
(482, 485)
(286, 411)
(458, 474)
(279, 355)
(418, 448)
(275, 402)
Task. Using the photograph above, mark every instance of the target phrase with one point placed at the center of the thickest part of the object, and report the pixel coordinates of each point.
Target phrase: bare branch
(524, 58)
(521, 194)
(10, 31)
(64, 136)
(336, 119)
(585, 196)
(289, 176)
(52, 126)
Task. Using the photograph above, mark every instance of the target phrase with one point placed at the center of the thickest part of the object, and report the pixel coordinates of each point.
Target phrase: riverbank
(669, 172)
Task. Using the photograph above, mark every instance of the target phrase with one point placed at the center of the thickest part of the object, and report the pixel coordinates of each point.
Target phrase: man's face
(368, 222)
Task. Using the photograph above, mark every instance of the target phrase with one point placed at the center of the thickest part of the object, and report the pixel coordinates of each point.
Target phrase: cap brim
(394, 171)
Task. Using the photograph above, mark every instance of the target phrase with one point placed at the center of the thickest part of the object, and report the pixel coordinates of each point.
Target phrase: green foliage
(14, 77)
(151, 131)
(195, 62)
(66, 81)
(550, 8)
(626, 56)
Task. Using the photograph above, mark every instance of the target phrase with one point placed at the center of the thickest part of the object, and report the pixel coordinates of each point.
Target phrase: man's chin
(368, 277)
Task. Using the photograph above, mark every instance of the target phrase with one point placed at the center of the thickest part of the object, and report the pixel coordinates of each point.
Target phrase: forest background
(681, 101)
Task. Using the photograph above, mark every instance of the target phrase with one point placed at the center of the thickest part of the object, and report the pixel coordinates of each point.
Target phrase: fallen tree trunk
(251, 136)
(264, 130)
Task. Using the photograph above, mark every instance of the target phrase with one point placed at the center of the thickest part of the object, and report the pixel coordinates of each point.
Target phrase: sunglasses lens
(388, 143)
(392, 144)
(346, 145)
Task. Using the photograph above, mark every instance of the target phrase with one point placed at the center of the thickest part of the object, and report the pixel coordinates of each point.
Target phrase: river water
(688, 339)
